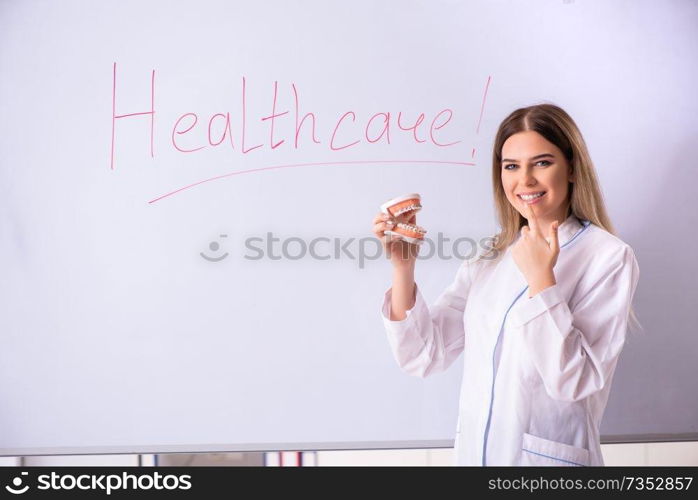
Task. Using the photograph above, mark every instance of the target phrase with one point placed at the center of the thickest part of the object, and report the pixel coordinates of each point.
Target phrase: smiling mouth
(531, 197)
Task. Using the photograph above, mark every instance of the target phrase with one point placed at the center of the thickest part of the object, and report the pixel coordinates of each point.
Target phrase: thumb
(553, 240)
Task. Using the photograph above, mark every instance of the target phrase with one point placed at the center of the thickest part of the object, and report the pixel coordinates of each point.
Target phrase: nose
(527, 177)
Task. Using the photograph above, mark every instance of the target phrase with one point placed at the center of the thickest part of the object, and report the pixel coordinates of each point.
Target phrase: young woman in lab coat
(540, 318)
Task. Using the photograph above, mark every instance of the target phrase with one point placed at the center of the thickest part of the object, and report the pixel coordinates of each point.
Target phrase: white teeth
(529, 197)
(411, 227)
(408, 209)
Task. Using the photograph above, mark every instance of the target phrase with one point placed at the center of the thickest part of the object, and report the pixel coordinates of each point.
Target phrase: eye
(506, 167)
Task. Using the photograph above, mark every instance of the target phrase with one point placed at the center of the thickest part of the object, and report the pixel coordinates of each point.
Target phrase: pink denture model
(402, 209)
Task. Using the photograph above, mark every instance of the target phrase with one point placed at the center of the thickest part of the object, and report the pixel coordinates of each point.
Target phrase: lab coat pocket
(540, 452)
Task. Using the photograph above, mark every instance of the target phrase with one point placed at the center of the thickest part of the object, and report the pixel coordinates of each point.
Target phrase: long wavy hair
(585, 199)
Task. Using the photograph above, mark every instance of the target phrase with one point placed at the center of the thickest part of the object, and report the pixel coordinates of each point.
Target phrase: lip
(534, 201)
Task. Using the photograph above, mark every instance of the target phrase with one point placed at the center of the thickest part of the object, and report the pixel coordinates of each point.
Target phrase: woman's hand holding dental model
(402, 254)
(396, 227)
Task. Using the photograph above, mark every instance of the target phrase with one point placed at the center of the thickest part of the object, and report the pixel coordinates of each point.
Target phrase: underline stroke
(249, 171)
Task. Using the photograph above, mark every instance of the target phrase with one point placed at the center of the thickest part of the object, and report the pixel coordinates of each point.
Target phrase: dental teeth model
(401, 209)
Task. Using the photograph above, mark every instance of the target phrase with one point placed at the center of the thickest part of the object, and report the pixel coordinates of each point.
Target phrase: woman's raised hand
(400, 252)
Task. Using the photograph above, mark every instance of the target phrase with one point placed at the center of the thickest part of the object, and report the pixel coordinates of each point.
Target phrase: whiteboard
(166, 166)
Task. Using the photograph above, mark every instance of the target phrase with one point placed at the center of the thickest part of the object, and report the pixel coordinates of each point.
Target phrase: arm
(402, 294)
(429, 339)
(576, 351)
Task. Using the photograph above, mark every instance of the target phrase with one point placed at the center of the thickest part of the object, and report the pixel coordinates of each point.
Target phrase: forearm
(403, 292)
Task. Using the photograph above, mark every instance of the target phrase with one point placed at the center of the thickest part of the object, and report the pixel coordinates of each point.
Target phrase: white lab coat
(537, 371)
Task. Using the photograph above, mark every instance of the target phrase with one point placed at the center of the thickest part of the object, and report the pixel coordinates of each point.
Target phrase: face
(532, 165)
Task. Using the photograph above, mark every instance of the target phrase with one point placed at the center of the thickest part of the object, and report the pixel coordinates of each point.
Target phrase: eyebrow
(544, 155)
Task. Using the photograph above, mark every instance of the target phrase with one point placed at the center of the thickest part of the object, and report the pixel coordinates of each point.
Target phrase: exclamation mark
(482, 110)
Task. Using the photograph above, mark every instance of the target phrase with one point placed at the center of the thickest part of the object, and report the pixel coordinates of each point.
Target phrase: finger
(524, 234)
(532, 219)
(381, 227)
(525, 211)
(554, 240)
(381, 217)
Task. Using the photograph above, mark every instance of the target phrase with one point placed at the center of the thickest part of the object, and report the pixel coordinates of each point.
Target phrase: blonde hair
(585, 199)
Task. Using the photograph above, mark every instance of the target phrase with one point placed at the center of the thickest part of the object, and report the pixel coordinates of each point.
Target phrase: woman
(541, 318)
